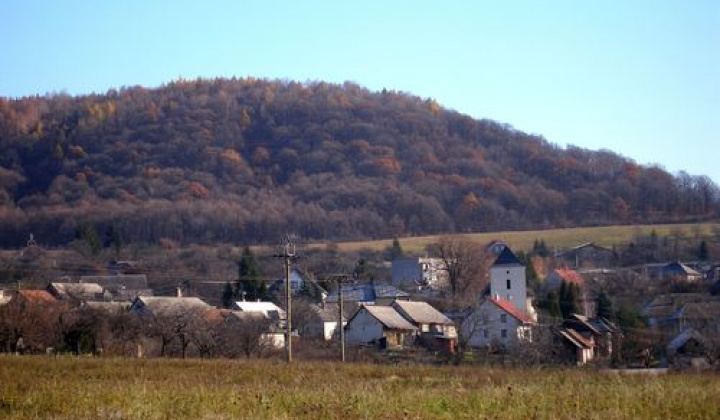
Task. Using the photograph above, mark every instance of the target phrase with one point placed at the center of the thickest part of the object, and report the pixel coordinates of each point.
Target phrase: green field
(70, 388)
(560, 238)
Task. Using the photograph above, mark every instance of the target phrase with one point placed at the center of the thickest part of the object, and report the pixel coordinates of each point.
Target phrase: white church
(504, 316)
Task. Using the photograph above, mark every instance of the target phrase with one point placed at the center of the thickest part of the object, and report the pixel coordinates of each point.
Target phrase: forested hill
(246, 160)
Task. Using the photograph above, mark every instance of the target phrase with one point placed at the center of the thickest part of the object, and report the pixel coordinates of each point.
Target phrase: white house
(163, 305)
(379, 324)
(268, 309)
(323, 322)
(427, 319)
(417, 272)
(505, 315)
(497, 322)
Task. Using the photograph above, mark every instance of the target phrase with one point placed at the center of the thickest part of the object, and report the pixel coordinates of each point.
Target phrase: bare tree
(464, 262)
(248, 334)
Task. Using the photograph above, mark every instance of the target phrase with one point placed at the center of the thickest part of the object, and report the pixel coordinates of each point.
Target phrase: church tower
(508, 280)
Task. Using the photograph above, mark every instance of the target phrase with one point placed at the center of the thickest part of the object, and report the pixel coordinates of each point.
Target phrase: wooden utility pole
(340, 320)
(287, 252)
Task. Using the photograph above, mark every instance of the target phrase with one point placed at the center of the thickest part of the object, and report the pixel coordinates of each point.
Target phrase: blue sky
(641, 78)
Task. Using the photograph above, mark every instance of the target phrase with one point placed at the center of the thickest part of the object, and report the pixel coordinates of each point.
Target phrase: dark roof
(507, 257)
(367, 292)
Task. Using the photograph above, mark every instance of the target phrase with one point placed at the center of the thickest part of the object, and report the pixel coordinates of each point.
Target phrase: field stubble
(38, 387)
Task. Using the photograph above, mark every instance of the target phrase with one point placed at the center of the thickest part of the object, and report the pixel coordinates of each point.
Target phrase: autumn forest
(246, 160)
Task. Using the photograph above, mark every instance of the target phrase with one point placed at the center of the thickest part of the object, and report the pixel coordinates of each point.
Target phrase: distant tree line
(246, 160)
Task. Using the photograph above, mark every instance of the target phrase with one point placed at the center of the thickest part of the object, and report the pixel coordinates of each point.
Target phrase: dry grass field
(71, 388)
(560, 238)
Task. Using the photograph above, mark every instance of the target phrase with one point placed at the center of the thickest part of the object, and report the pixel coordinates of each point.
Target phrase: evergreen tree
(362, 270)
(604, 306)
(552, 304)
(568, 298)
(703, 254)
(228, 295)
(396, 250)
(249, 284)
(87, 234)
(112, 238)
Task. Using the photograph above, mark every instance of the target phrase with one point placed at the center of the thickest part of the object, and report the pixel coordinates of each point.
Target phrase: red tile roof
(511, 309)
(570, 276)
(37, 296)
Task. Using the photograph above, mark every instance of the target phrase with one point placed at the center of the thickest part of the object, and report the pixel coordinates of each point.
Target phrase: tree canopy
(245, 160)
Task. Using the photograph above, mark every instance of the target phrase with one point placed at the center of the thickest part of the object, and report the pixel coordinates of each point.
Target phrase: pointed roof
(511, 309)
(507, 258)
(387, 316)
(421, 313)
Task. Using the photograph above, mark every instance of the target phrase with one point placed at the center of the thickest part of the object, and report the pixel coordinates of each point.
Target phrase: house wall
(486, 324)
(363, 328)
(517, 293)
(413, 272)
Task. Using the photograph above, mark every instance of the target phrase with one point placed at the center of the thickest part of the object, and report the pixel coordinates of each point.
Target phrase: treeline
(246, 160)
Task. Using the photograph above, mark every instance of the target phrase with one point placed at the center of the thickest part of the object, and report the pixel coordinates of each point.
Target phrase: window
(503, 318)
(503, 333)
(485, 333)
(508, 284)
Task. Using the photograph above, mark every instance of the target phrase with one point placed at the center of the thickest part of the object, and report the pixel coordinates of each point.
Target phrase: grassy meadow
(560, 238)
(71, 388)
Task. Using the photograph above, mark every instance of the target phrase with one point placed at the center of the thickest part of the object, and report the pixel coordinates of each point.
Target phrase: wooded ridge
(246, 160)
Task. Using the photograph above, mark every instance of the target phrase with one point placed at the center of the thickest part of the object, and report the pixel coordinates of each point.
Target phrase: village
(573, 313)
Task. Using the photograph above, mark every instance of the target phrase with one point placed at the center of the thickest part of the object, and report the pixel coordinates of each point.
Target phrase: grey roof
(329, 313)
(367, 292)
(389, 317)
(129, 281)
(83, 291)
(702, 310)
(159, 305)
(421, 313)
(507, 257)
(681, 339)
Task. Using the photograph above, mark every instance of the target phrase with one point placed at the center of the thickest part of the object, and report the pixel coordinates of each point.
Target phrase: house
(121, 286)
(586, 255)
(689, 349)
(495, 247)
(164, 305)
(78, 292)
(497, 323)
(504, 316)
(381, 325)
(419, 273)
(558, 276)
(300, 283)
(583, 346)
(703, 317)
(322, 322)
(678, 271)
(268, 309)
(358, 294)
(435, 329)
(255, 324)
(663, 312)
(591, 338)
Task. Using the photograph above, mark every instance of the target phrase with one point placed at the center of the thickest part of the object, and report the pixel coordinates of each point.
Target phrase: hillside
(244, 161)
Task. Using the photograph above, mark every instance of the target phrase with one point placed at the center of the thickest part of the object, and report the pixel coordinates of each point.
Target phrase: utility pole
(340, 320)
(287, 252)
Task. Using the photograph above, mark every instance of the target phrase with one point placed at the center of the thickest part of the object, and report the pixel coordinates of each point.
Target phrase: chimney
(179, 291)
